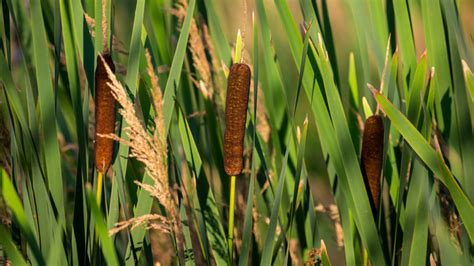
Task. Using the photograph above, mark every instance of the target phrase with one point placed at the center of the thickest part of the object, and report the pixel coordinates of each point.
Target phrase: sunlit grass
(165, 197)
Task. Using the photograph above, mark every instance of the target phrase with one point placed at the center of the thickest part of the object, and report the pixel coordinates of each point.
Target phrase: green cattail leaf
(172, 84)
(47, 108)
(469, 78)
(404, 31)
(353, 82)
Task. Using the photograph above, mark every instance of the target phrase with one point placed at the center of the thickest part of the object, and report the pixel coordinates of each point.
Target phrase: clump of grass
(428, 137)
(372, 156)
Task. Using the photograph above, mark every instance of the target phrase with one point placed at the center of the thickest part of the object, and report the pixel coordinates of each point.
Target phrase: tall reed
(238, 88)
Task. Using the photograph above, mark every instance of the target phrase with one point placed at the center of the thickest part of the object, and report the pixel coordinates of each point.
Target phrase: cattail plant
(104, 108)
(104, 120)
(238, 87)
(104, 114)
(372, 156)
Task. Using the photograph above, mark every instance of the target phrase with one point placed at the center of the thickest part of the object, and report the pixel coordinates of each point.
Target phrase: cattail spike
(372, 156)
(238, 87)
(104, 114)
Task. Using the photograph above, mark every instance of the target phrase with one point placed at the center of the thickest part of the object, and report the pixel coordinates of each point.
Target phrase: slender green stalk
(99, 188)
(98, 199)
(230, 238)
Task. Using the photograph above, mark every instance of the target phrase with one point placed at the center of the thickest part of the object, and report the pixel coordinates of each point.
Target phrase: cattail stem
(238, 87)
(98, 199)
(99, 188)
(230, 239)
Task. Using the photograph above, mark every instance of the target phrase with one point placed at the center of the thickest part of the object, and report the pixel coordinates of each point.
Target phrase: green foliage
(312, 88)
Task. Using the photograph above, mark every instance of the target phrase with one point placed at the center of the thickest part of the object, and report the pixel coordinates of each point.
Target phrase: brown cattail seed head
(104, 114)
(372, 156)
(238, 87)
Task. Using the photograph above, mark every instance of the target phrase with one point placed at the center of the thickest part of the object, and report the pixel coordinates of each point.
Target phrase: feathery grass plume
(143, 147)
(151, 151)
(104, 113)
(238, 87)
(161, 224)
(159, 138)
(117, 45)
(160, 134)
(372, 156)
(200, 62)
(198, 52)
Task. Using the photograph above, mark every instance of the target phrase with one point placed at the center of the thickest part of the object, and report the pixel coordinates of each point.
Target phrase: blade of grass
(437, 52)
(74, 85)
(13, 202)
(56, 254)
(365, 223)
(47, 108)
(404, 35)
(452, 19)
(270, 237)
(11, 250)
(135, 47)
(159, 32)
(469, 79)
(299, 169)
(172, 83)
(217, 34)
(449, 253)
(248, 220)
(208, 208)
(107, 247)
(415, 233)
